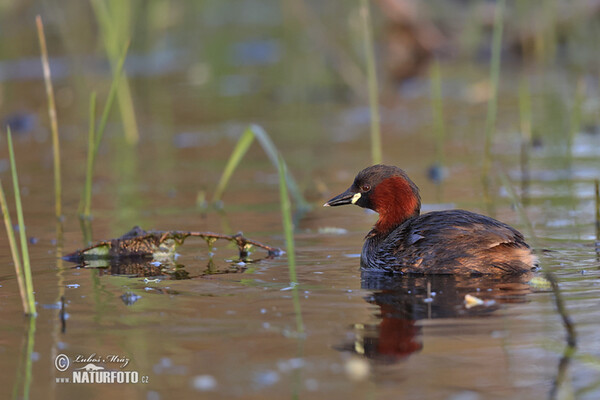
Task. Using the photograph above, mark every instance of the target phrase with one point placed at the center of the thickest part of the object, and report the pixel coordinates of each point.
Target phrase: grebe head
(386, 190)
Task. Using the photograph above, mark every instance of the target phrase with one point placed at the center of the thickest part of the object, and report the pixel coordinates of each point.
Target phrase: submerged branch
(562, 311)
(160, 244)
(571, 347)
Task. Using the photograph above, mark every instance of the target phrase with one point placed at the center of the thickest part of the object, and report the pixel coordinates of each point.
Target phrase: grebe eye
(365, 188)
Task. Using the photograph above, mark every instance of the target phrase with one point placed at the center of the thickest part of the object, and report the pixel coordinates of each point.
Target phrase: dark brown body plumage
(440, 242)
(448, 242)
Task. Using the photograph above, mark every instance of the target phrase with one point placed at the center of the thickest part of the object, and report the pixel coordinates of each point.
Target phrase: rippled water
(234, 334)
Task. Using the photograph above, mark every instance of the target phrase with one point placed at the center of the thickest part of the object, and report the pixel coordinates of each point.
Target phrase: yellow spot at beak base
(355, 198)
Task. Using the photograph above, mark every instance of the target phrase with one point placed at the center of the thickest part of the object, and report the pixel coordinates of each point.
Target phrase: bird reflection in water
(404, 301)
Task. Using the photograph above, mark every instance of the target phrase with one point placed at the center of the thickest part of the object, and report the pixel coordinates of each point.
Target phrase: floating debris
(129, 298)
(160, 245)
(472, 301)
(540, 283)
(357, 369)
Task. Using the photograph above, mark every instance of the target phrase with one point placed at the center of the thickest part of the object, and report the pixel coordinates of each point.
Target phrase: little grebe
(439, 242)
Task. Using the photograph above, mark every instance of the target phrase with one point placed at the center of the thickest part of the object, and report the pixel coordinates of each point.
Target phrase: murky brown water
(234, 335)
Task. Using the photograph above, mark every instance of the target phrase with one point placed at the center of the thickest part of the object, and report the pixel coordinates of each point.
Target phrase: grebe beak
(348, 197)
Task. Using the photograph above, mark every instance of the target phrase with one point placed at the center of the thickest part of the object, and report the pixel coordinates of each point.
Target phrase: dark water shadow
(405, 300)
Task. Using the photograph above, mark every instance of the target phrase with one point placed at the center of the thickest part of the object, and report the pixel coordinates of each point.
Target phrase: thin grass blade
(13, 249)
(26, 266)
(238, 153)
(438, 111)
(288, 229)
(490, 120)
(376, 151)
(273, 154)
(95, 136)
(255, 131)
(52, 116)
(21, 222)
(597, 197)
(28, 375)
(86, 198)
(113, 22)
(525, 116)
(111, 97)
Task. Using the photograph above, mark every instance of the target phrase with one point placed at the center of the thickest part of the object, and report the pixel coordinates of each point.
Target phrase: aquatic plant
(23, 270)
(86, 197)
(114, 18)
(376, 152)
(95, 136)
(597, 197)
(525, 118)
(490, 119)
(576, 114)
(24, 377)
(159, 245)
(561, 309)
(12, 243)
(256, 132)
(52, 116)
(437, 106)
(288, 229)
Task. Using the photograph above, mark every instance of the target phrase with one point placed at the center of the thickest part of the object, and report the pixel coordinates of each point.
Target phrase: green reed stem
(490, 120)
(242, 146)
(95, 136)
(438, 111)
(52, 116)
(21, 222)
(525, 113)
(28, 356)
(597, 192)
(525, 116)
(288, 228)
(576, 115)
(114, 20)
(85, 205)
(22, 383)
(297, 383)
(117, 74)
(13, 249)
(376, 151)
